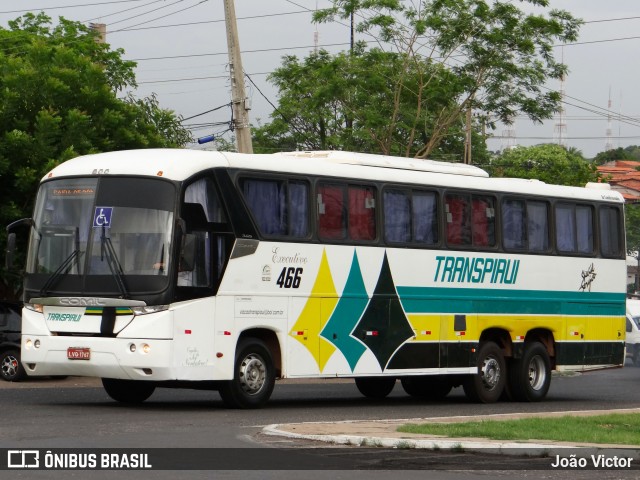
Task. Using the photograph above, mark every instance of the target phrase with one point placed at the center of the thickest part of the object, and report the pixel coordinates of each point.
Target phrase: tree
(631, 152)
(59, 99)
(345, 101)
(550, 163)
(500, 57)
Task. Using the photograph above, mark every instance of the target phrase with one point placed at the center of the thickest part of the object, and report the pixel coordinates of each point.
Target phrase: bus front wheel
(375, 387)
(530, 376)
(128, 391)
(488, 384)
(254, 376)
(432, 387)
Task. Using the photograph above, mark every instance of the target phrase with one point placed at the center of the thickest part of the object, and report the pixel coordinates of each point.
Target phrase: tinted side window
(346, 212)
(574, 228)
(410, 216)
(425, 217)
(279, 207)
(470, 220)
(525, 225)
(610, 227)
(537, 226)
(457, 209)
(514, 224)
(362, 213)
(397, 215)
(331, 212)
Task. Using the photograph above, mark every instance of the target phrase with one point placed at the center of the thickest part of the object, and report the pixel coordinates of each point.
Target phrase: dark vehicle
(10, 326)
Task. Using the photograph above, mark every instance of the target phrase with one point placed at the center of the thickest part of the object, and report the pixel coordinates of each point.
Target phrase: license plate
(77, 353)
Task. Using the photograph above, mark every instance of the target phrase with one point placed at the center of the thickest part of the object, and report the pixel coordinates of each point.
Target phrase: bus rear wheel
(128, 391)
(433, 387)
(254, 376)
(530, 376)
(375, 387)
(488, 384)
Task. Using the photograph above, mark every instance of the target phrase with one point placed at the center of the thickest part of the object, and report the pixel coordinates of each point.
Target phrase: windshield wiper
(109, 252)
(61, 271)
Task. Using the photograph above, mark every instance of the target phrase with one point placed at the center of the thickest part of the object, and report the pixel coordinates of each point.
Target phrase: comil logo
(23, 459)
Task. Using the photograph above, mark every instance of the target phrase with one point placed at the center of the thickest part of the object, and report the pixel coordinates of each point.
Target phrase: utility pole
(239, 100)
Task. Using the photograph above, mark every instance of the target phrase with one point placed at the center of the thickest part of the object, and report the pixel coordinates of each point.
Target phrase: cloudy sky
(181, 51)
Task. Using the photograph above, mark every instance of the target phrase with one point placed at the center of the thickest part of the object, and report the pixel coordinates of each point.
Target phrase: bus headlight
(147, 309)
(34, 307)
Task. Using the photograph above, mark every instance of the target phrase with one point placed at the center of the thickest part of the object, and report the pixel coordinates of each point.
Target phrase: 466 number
(290, 277)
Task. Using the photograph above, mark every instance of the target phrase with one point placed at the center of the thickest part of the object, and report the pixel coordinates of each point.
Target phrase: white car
(633, 331)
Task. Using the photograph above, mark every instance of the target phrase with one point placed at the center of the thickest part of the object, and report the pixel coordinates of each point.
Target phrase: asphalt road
(76, 413)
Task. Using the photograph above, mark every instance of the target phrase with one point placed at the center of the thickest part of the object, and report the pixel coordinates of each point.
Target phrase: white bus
(178, 268)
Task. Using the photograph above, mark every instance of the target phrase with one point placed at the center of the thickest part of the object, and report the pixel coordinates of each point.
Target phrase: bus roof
(181, 164)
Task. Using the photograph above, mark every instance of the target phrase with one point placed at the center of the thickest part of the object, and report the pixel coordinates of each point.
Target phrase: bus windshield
(105, 234)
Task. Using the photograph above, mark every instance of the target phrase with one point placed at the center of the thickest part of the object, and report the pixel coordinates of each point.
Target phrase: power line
(189, 24)
(260, 50)
(208, 111)
(70, 6)
(121, 11)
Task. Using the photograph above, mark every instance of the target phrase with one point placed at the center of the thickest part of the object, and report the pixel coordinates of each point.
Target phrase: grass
(619, 429)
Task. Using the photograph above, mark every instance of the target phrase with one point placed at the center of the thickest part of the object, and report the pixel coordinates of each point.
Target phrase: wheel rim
(491, 373)
(252, 374)
(537, 373)
(9, 366)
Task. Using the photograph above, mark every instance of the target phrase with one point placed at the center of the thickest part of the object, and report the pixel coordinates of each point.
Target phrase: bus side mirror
(11, 251)
(188, 254)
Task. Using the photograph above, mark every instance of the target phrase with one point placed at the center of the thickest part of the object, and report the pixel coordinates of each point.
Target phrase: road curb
(382, 433)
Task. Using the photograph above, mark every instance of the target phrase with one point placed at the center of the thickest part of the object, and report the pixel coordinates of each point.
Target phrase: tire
(254, 376)
(128, 391)
(375, 387)
(530, 376)
(636, 356)
(433, 387)
(488, 384)
(10, 367)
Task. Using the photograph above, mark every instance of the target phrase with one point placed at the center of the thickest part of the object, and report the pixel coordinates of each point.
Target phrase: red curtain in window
(331, 212)
(480, 222)
(458, 228)
(362, 219)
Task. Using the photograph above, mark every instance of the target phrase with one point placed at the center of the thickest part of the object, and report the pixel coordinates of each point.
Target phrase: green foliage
(613, 429)
(346, 101)
(632, 152)
(498, 57)
(59, 99)
(632, 227)
(550, 163)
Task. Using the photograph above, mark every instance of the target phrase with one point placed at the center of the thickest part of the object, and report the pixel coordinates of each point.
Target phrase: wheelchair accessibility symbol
(102, 217)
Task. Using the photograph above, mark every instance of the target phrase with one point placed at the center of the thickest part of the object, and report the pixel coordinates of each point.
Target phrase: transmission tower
(508, 137)
(560, 128)
(609, 144)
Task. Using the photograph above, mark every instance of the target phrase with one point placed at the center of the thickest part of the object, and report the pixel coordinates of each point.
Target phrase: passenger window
(574, 228)
(397, 216)
(331, 212)
(458, 219)
(610, 228)
(279, 207)
(346, 212)
(362, 214)
(470, 220)
(411, 216)
(513, 225)
(425, 217)
(483, 221)
(525, 225)
(537, 226)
